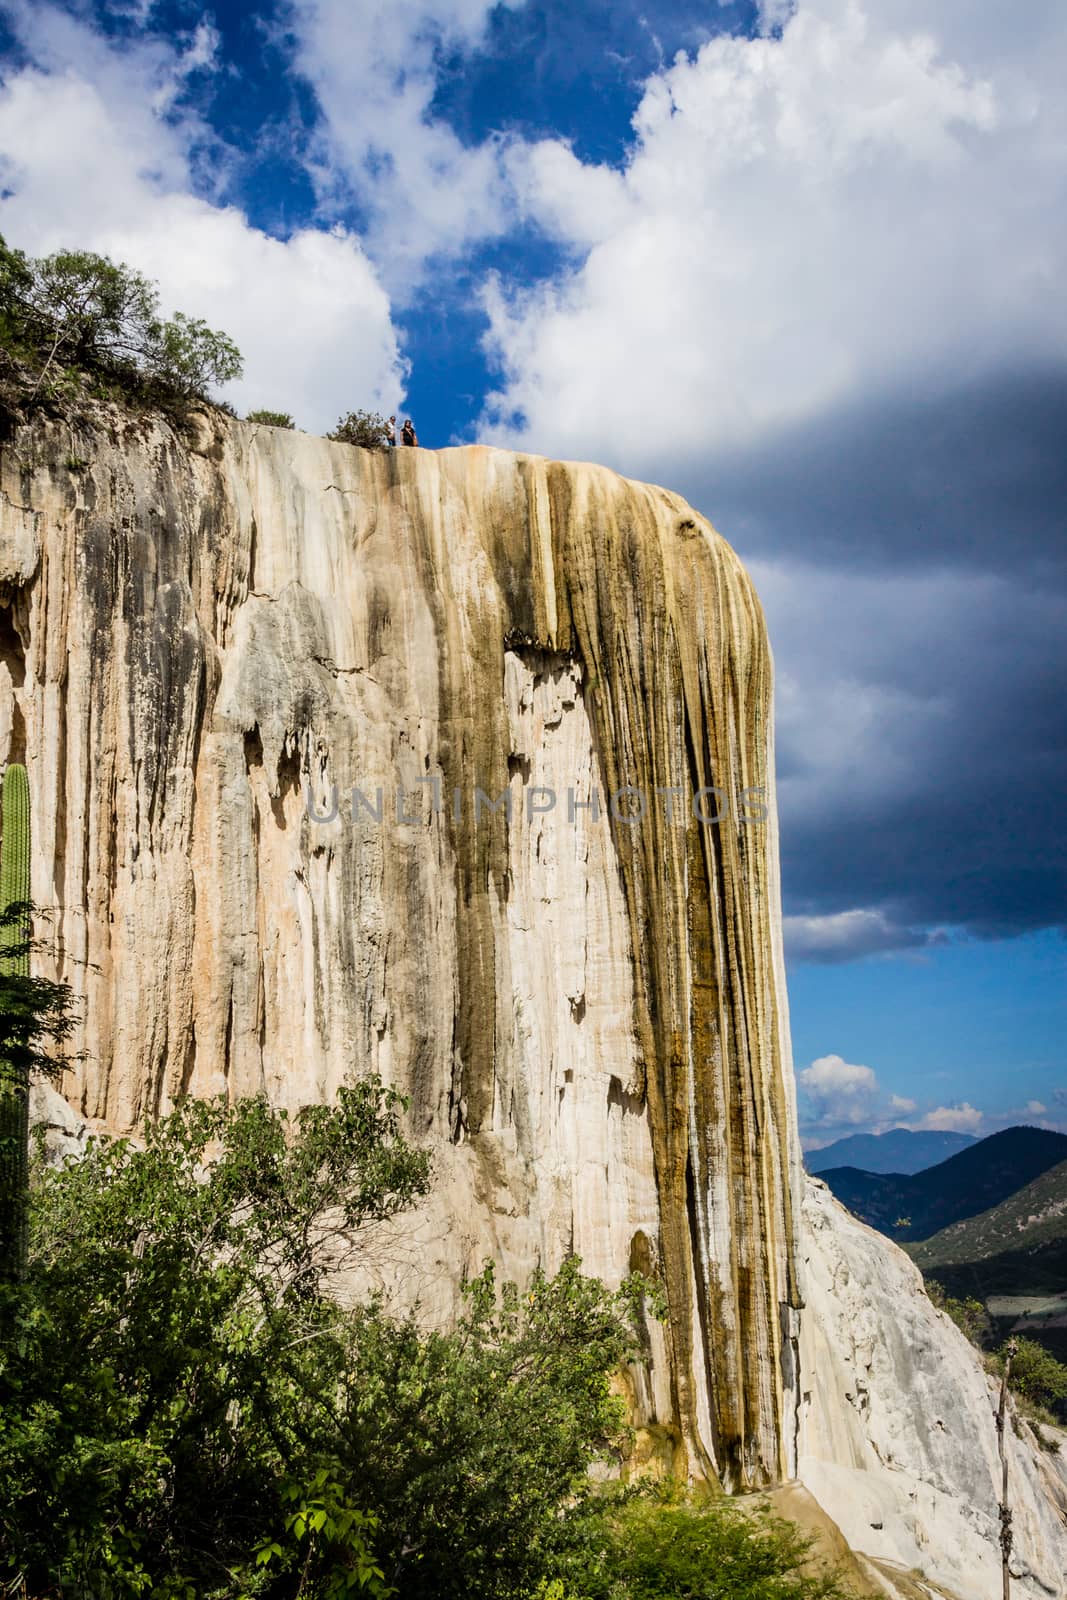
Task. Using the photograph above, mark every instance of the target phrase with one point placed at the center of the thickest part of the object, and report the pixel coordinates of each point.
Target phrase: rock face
(584, 1008)
(896, 1424)
(336, 761)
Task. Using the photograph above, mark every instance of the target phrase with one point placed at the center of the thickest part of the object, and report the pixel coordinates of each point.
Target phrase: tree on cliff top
(77, 313)
(367, 429)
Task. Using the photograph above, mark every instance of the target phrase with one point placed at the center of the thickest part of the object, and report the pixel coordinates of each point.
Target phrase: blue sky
(801, 262)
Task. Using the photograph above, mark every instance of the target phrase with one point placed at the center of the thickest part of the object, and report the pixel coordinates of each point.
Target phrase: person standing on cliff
(390, 433)
(408, 434)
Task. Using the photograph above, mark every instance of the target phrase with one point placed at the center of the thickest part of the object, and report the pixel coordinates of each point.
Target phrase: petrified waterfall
(457, 767)
(584, 1005)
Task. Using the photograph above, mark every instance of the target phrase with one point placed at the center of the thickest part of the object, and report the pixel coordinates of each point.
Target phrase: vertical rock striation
(587, 1011)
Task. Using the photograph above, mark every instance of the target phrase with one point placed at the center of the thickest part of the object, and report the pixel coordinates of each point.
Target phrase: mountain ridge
(911, 1207)
(899, 1150)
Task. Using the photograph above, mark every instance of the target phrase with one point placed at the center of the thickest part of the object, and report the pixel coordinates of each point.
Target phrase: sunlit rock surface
(587, 1013)
(584, 1011)
(897, 1435)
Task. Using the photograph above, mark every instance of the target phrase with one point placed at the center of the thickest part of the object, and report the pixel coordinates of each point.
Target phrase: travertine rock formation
(585, 1010)
(207, 644)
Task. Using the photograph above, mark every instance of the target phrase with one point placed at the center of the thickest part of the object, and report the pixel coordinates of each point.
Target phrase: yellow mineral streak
(589, 1016)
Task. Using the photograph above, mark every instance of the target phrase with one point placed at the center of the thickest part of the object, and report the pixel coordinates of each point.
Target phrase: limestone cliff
(585, 1010)
(328, 752)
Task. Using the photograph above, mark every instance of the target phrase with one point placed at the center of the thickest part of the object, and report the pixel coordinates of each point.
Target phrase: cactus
(15, 866)
(14, 962)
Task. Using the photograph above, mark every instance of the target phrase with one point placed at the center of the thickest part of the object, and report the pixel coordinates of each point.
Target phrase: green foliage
(14, 976)
(1036, 1376)
(186, 357)
(35, 1017)
(475, 1445)
(332, 1540)
(76, 315)
(15, 868)
(364, 428)
(172, 1357)
(189, 1411)
(969, 1315)
(644, 1550)
(271, 419)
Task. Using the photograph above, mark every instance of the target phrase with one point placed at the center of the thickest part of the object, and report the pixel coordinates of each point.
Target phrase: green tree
(186, 357)
(84, 309)
(189, 1410)
(172, 1358)
(474, 1446)
(76, 311)
(364, 428)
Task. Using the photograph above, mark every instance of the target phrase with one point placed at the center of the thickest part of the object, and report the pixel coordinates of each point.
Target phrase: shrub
(364, 428)
(970, 1316)
(644, 1550)
(170, 1359)
(474, 1446)
(271, 419)
(1036, 1376)
(36, 1018)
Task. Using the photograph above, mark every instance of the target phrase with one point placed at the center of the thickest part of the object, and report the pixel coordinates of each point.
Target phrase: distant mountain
(899, 1150)
(916, 1205)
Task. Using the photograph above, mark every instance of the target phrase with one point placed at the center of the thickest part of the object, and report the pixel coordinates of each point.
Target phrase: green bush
(969, 1315)
(364, 428)
(271, 419)
(1036, 1376)
(644, 1550)
(188, 1410)
(36, 1018)
(76, 314)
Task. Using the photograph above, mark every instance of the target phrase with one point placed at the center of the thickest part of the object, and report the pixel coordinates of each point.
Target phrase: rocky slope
(896, 1424)
(207, 644)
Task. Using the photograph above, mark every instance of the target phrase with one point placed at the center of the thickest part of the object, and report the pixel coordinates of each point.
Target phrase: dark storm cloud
(913, 564)
(974, 475)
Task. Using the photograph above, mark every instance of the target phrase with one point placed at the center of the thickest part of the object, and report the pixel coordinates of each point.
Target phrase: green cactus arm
(15, 862)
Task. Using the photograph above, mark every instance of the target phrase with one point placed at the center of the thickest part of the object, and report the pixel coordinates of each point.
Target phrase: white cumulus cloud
(963, 1118)
(839, 1092)
(855, 204)
(374, 69)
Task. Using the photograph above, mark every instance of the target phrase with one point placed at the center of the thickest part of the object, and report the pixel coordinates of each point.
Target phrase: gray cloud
(847, 935)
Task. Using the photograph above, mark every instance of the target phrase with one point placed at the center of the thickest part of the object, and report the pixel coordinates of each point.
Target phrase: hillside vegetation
(1035, 1215)
(974, 1181)
(1012, 1259)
